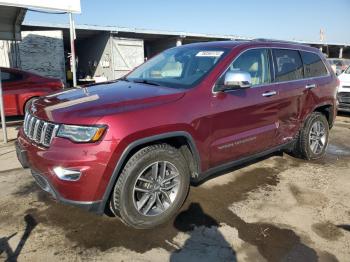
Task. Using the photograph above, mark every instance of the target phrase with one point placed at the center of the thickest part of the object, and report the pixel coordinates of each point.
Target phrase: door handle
(310, 86)
(270, 93)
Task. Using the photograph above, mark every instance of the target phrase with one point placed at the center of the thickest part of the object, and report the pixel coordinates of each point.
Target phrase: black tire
(122, 201)
(303, 147)
(28, 104)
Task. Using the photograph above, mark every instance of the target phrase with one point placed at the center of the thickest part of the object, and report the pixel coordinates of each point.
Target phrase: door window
(256, 63)
(288, 65)
(313, 65)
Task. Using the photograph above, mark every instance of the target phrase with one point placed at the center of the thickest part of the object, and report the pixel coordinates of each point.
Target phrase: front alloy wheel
(152, 186)
(156, 188)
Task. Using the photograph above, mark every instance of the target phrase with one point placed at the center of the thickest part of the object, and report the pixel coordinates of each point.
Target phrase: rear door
(291, 86)
(319, 82)
(245, 120)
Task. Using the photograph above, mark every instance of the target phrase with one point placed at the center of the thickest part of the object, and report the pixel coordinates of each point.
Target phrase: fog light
(67, 174)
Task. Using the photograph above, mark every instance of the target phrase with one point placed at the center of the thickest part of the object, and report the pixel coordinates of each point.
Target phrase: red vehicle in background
(19, 87)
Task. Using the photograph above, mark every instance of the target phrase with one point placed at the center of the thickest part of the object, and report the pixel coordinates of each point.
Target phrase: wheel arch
(327, 111)
(179, 139)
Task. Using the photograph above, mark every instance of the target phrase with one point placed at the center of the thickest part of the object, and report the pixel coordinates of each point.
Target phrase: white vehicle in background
(344, 91)
(339, 64)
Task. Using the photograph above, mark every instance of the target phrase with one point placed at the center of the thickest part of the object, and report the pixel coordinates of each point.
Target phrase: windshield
(181, 67)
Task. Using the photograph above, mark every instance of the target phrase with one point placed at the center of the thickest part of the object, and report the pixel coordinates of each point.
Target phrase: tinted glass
(288, 65)
(313, 65)
(5, 76)
(256, 63)
(181, 67)
(10, 77)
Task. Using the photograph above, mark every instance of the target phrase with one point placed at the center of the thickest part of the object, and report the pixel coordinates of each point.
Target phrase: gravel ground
(274, 209)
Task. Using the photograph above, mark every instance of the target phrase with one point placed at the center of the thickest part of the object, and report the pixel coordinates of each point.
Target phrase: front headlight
(81, 134)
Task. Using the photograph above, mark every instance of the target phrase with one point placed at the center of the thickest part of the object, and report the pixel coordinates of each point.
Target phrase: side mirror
(235, 80)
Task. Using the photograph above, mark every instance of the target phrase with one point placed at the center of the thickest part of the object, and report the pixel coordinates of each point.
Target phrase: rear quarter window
(288, 65)
(313, 65)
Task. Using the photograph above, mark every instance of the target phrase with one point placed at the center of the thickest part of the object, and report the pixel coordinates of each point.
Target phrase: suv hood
(87, 105)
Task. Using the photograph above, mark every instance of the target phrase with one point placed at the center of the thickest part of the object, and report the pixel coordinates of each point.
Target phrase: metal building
(107, 52)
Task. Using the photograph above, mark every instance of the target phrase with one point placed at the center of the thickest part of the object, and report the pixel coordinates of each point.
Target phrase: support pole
(2, 112)
(341, 52)
(72, 47)
(179, 42)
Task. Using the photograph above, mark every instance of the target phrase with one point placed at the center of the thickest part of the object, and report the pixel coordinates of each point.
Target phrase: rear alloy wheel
(313, 138)
(152, 186)
(317, 137)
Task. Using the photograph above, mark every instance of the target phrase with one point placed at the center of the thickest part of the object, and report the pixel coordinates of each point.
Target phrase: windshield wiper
(145, 81)
(124, 79)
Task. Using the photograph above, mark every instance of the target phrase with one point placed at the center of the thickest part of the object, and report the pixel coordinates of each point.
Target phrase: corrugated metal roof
(141, 31)
(10, 21)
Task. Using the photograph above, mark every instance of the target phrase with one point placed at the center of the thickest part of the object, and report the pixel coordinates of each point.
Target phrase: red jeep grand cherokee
(134, 145)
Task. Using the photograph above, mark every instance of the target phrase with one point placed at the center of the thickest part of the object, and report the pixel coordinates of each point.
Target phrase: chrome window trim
(272, 83)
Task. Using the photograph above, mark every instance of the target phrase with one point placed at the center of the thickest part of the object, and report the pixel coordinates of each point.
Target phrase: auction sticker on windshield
(210, 53)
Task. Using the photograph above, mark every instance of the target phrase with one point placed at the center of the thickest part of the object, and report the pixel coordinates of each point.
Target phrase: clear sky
(287, 20)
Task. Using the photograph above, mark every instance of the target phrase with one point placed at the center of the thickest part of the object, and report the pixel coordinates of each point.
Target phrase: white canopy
(71, 6)
(12, 13)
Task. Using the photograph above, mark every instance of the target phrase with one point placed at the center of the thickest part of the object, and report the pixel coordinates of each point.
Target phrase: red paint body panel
(28, 85)
(224, 126)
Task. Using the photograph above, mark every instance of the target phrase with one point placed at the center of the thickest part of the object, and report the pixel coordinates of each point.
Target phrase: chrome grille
(39, 131)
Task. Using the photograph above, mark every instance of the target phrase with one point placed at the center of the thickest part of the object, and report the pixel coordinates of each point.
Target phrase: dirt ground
(275, 209)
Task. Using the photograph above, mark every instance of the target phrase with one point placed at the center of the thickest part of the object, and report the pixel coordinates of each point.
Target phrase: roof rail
(275, 41)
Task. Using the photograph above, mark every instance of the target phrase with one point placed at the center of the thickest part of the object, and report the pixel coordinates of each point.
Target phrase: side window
(313, 65)
(255, 62)
(7, 77)
(288, 65)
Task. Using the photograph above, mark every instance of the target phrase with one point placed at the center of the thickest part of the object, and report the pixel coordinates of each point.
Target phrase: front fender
(143, 141)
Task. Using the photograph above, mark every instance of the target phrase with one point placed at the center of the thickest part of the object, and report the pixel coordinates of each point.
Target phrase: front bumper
(44, 184)
(91, 159)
